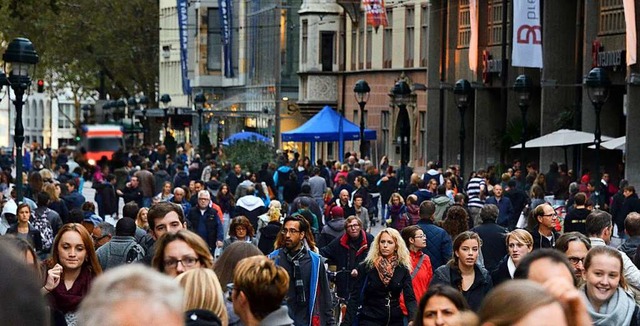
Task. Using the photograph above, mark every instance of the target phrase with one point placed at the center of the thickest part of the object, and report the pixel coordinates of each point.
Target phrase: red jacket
(421, 280)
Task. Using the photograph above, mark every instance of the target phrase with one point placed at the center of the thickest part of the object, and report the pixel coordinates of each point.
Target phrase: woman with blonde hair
(397, 216)
(202, 290)
(269, 226)
(141, 219)
(381, 278)
(519, 244)
(179, 252)
(462, 271)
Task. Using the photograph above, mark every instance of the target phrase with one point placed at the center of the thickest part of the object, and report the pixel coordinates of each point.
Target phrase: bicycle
(338, 304)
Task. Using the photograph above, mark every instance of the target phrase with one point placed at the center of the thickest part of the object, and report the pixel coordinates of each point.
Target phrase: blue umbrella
(246, 135)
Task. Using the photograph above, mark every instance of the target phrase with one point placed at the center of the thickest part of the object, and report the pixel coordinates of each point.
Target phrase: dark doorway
(403, 133)
(326, 50)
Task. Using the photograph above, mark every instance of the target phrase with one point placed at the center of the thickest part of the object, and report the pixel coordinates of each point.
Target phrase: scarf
(386, 267)
(618, 310)
(395, 210)
(65, 300)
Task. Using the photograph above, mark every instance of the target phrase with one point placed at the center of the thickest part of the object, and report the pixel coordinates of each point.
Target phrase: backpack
(41, 223)
(282, 177)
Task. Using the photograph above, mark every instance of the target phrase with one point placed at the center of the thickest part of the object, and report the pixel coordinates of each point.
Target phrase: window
(464, 24)
(423, 134)
(326, 50)
(361, 46)
(387, 55)
(214, 40)
(494, 22)
(305, 41)
(424, 18)
(385, 132)
(611, 17)
(369, 45)
(409, 36)
(354, 45)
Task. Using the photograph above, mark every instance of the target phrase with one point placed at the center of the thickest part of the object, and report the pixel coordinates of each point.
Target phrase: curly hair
(401, 249)
(456, 221)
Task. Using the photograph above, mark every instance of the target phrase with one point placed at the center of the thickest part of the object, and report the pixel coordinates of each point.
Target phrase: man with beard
(308, 299)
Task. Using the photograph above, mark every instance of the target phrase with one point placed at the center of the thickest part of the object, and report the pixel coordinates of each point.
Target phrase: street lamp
(361, 93)
(401, 96)
(144, 102)
(165, 99)
(597, 83)
(200, 99)
(22, 57)
(85, 110)
(522, 87)
(462, 90)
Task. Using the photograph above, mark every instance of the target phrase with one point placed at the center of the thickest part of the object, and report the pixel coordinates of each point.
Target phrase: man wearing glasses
(575, 246)
(308, 297)
(347, 252)
(545, 234)
(206, 222)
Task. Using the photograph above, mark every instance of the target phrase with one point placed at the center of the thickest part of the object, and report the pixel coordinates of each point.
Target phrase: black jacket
(34, 237)
(346, 256)
(212, 223)
(380, 303)
(576, 220)
(542, 242)
(268, 235)
(482, 283)
(493, 243)
(501, 273)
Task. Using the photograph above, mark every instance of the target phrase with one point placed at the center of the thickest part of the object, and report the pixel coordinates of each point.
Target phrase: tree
(250, 154)
(78, 41)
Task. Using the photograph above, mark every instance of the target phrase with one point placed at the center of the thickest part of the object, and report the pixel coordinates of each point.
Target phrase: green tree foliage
(77, 40)
(249, 154)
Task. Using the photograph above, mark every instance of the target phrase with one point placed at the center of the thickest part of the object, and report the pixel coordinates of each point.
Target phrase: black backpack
(41, 223)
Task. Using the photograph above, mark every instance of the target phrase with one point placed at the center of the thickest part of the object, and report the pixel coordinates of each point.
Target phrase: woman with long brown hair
(71, 269)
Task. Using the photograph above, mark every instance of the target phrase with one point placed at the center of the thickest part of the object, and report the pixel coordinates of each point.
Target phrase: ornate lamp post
(200, 99)
(144, 102)
(597, 83)
(462, 90)
(401, 96)
(522, 87)
(361, 93)
(165, 99)
(22, 57)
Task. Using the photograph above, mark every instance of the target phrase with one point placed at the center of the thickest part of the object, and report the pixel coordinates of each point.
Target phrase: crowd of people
(204, 242)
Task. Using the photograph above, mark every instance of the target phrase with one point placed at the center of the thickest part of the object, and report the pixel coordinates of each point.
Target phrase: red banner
(376, 14)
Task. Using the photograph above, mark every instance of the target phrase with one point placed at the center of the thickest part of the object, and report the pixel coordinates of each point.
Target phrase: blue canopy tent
(246, 135)
(327, 126)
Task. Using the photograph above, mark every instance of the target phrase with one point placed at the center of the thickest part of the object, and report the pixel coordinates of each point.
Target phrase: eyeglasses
(552, 215)
(185, 261)
(576, 260)
(96, 239)
(353, 226)
(292, 231)
(420, 236)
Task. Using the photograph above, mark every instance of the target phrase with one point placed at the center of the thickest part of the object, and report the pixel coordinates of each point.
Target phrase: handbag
(522, 220)
(356, 320)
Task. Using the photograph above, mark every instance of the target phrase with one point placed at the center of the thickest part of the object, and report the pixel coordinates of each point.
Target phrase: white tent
(616, 143)
(562, 137)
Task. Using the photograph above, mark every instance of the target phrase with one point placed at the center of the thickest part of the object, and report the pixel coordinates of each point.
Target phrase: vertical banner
(473, 41)
(182, 25)
(226, 23)
(632, 37)
(376, 14)
(527, 34)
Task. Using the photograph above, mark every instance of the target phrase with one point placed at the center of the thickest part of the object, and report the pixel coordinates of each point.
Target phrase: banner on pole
(632, 37)
(527, 34)
(376, 13)
(473, 41)
(184, 39)
(226, 23)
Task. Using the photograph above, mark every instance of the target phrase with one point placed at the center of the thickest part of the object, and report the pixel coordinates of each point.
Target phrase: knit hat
(584, 179)
(337, 211)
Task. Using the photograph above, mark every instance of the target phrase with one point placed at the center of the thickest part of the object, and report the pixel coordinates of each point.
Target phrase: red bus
(100, 141)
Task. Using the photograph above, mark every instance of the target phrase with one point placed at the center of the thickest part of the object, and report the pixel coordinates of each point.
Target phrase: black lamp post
(200, 99)
(401, 96)
(144, 102)
(22, 56)
(132, 105)
(597, 83)
(361, 92)
(522, 87)
(462, 90)
(165, 99)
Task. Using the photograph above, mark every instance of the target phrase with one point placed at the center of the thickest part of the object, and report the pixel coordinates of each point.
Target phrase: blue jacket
(318, 274)
(283, 170)
(211, 229)
(439, 245)
(505, 210)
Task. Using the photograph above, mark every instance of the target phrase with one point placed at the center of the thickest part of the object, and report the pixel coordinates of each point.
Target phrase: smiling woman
(71, 269)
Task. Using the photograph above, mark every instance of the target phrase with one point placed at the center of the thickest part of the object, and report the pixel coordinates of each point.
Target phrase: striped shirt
(474, 187)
